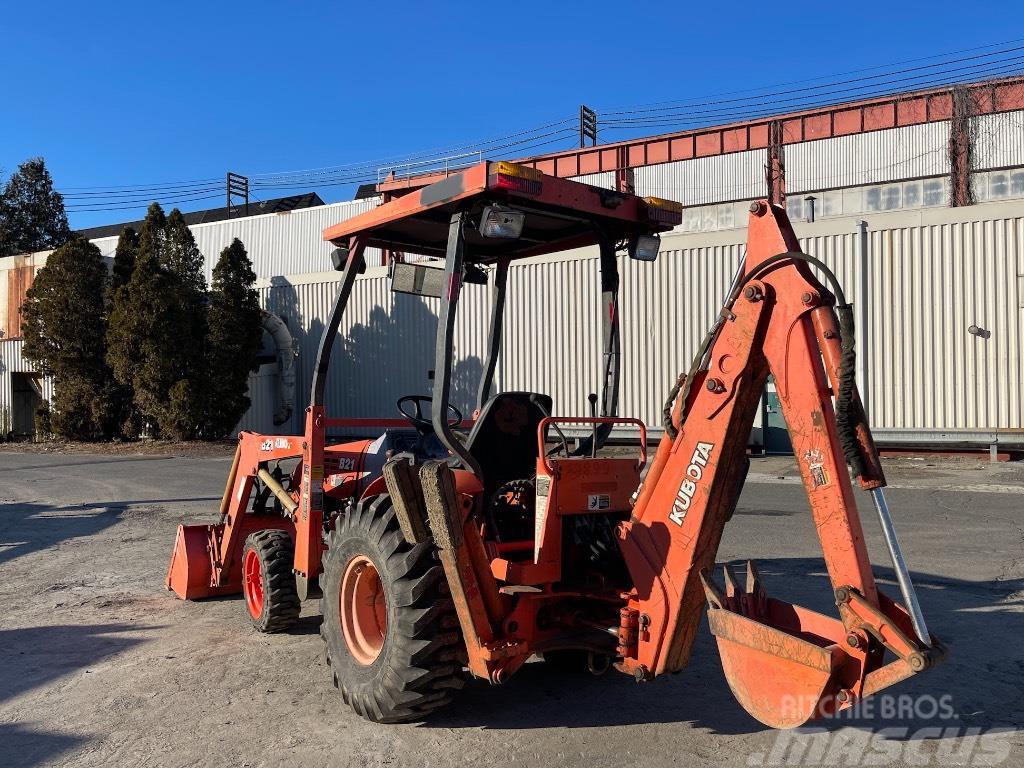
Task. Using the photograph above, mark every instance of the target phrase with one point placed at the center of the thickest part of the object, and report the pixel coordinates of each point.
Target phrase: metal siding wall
(282, 243)
(11, 361)
(868, 158)
(384, 347)
(552, 330)
(999, 140)
(667, 308)
(930, 275)
(604, 179)
(278, 243)
(736, 176)
(929, 284)
(107, 245)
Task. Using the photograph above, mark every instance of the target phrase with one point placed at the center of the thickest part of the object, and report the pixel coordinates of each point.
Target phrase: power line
(693, 113)
(822, 97)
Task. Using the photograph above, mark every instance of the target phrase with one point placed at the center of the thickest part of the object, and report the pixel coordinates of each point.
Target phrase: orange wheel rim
(252, 583)
(363, 610)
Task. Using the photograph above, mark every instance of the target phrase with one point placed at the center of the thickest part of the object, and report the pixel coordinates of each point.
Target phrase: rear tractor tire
(390, 630)
(268, 583)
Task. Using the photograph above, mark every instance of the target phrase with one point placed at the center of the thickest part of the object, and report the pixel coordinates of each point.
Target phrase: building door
(776, 433)
(26, 398)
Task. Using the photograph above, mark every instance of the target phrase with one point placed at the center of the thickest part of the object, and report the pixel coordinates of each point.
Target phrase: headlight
(498, 221)
(644, 247)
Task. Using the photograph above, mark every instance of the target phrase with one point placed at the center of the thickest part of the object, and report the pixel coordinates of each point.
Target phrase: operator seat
(504, 438)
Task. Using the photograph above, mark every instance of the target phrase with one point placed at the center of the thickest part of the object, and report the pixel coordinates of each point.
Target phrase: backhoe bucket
(190, 575)
(784, 663)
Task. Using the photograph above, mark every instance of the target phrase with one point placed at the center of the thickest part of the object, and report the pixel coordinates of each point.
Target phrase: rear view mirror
(417, 280)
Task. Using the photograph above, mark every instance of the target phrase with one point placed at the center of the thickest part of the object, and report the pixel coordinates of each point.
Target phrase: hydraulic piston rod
(900, 566)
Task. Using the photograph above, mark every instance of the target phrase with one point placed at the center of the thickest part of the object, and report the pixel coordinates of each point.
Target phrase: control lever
(593, 414)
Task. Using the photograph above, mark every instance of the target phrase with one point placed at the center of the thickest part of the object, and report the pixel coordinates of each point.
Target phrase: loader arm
(780, 321)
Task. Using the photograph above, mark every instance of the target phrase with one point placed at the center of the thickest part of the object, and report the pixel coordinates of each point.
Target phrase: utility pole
(588, 126)
(238, 187)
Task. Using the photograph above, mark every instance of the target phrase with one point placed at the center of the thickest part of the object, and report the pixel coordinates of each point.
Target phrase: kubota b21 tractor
(435, 549)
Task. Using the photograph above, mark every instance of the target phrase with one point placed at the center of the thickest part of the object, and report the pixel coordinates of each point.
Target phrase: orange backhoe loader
(456, 545)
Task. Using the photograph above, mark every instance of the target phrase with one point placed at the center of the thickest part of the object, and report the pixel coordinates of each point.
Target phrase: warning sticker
(598, 501)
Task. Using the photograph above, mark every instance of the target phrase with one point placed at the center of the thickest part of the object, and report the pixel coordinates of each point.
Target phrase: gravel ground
(102, 667)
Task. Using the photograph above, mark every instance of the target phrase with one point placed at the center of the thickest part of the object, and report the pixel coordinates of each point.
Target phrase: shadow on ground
(41, 656)
(981, 684)
(28, 527)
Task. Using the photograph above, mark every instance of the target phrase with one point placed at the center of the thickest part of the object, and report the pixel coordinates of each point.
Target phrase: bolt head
(853, 640)
(758, 208)
(807, 297)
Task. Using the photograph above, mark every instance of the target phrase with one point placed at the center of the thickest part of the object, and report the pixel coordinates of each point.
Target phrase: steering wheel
(416, 417)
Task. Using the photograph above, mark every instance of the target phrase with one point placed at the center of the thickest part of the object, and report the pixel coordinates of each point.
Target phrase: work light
(499, 221)
(644, 247)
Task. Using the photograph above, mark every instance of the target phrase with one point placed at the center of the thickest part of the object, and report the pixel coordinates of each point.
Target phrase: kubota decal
(694, 472)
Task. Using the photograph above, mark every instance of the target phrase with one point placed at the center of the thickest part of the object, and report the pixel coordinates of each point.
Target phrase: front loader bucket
(784, 663)
(190, 575)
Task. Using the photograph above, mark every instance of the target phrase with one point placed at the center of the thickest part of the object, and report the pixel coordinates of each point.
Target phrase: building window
(830, 203)
(933, 192)
(1017, 184)
(710, 221)
(691, 220)
(891, 197)
(873, 199)
(725, 216)
(795, 208)
(912, 194)
(998, 185)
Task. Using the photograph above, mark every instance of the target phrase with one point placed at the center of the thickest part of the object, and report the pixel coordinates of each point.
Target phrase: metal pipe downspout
(287, 352)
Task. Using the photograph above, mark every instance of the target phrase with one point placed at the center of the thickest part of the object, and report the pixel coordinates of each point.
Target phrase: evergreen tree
(32, 215)
(157, 328)
(127, 417)
(235, 330)
(63, 322)
(133, 332)
(184, 263)
(124, 258)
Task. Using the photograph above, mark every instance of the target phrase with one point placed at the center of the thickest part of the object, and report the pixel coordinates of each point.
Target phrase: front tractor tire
(268, 583)
(389, 626)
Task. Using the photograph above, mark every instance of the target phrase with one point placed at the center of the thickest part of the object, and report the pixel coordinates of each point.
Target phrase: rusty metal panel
(713, 179)
(999, 140)
(908, 152)
(19, 279)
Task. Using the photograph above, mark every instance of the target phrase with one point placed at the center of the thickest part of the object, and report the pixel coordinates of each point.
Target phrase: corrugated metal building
(939, 291)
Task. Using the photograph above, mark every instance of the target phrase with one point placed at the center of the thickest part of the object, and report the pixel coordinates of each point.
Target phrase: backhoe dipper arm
(781, 322)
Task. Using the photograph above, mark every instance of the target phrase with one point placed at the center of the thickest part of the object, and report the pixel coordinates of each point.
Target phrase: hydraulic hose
(848, 415)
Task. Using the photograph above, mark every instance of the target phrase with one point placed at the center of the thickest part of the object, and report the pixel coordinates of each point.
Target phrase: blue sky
(128, 94)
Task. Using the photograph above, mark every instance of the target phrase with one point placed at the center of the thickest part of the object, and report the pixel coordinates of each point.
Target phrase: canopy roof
(560, 214)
